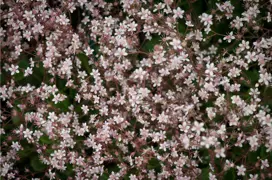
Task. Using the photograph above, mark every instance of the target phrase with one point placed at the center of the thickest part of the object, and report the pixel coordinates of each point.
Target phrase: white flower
(210, 68)
(16, 146)
(244, 45)
(62, 19)
(265, 164)
(198, 127)
(176, 43)
(118, 119)
(120, 52)
(234, 72)
(27, 134)
(28, 15)
(144, 92)
(85, 109)
(38, 28)
(52, 116)
(241, 170)
(163, 118)
(228, 165)
(268, 16)
(14, 69)
(145, 14)
(186, 142)
(18, 50)
(253, 177)
(207, 141)
(212, 176)
(220, 152)
(236, 100)
(265, 78)
(133, 177)
(178, 13)
(233, 120)
(206, 19)
(28, 71)
(88, 51)
(251, 56)
(229, 37)
(237, 23)
(140, 73)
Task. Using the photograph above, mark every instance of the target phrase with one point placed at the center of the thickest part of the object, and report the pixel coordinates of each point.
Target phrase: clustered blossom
(123, 93)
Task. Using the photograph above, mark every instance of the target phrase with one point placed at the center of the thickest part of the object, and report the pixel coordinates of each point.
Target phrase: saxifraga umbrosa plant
(136, 89)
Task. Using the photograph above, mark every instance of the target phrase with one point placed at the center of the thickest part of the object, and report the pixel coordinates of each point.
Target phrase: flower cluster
(135, 89)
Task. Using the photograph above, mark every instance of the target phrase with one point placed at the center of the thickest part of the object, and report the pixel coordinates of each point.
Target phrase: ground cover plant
(136, 89)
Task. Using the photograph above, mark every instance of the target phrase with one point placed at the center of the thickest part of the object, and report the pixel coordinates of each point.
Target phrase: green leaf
(205, 157)
(16, 120)
(85, 62)
(63, 105)
(45, 140)
(67, 173)
(252, 157)
(69, 170)
(112, 167)
(36, 164)
(262, 152)
(181, 26)
(199, 7)
(23, 62)
(204, 174)
(61, 84)
(230, 175)
(3, 77)
(154, 164)
(26, 152)
(236, 153)
(252, 76)
(267, 97)
(104, 177)
(149, 44)
(19, 76)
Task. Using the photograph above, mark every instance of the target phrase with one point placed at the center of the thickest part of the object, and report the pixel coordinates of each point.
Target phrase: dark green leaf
(230, 175)
(204, 174)
(45, 140)
(149, 44)
(36, 164)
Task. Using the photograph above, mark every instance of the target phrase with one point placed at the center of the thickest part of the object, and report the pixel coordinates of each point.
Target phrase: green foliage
(45, 140)
(148, 45)
(154, 164)
(84, 60)
(204, 174)
(37, 165)
(230, 174)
